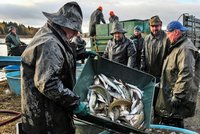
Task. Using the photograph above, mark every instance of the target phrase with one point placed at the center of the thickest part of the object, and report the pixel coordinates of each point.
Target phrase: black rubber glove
(175, 102)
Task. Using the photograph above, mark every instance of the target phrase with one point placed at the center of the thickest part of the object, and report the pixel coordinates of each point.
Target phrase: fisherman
(180, 78)
(138, 42)
(14, 46)
(154, 51)
(48, 75)
(120, 49)
(113, 17)
(95, 18)
(80, 45)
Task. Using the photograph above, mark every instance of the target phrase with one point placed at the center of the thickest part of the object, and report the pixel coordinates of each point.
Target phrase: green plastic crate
(142, 80)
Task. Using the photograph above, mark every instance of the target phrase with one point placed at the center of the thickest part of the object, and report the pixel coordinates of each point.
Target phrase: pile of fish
(116, 100)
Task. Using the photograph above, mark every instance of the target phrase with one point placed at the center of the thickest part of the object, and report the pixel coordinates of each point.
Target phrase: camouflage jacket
(123, 52)
(154, 52)
(47, 81)
(180, 78)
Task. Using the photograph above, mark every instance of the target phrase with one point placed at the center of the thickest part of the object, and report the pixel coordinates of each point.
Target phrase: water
(3, 47)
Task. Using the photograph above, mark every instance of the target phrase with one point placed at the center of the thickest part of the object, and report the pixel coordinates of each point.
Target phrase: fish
(103, 81)
(115, 94)
(139, 120)
(92, 101)
(100, 90)
(96, 80)
(114, 114)
(138, 108)
(136, 90)
(110, 83)
(119, 103)
(125, 90)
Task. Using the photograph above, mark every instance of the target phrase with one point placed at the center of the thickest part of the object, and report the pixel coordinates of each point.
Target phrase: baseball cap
(176, 25)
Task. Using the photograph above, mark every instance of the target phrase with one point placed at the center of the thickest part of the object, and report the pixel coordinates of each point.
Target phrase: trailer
(193, 24)
(99, 42)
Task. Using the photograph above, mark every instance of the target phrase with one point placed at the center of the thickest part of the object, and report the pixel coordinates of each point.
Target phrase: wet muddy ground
(12, 102)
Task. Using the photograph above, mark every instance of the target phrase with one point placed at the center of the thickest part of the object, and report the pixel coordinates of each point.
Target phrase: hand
(91, 54)
(175, 102)
(81, 110)
(157, 85)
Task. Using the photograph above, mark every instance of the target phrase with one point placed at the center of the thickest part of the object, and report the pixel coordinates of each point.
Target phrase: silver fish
(98, 89)
(138, 108)
(139, 120)
(92, 101)
(110, 83)
(103, 81)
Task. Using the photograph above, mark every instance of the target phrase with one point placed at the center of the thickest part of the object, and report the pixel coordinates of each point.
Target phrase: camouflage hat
(70, 16)
(155, 20)
(117, 27)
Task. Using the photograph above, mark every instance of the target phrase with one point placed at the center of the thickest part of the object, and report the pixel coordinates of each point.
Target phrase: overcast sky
(29, 12)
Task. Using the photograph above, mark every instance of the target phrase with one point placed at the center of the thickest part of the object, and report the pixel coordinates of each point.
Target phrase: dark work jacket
(154, 51)
(138, 42)
(95, 18)
(79, 45)
(47, 81)
(13, 43)
(180, 78)
(113, 19)
(122, 51)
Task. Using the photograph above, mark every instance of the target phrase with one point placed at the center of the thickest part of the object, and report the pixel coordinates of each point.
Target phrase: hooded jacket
(95, 18)
(122, 51)
(138, 42)
(13, 42)
(113, 18)
(154, 52)
(180, 78)
(47, 81)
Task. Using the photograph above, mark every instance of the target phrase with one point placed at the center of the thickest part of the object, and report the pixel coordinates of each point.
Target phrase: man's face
(136, 33)
(118, 36)
(155, 28)
(69, 33)
(173, 35)
(14, 30)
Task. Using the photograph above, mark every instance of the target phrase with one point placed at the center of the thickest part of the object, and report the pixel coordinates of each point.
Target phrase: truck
(99, 42)
(193, 23)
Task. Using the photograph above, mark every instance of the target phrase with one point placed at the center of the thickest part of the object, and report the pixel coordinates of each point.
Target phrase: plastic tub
(11, 68)
(142, 80)
(14, 81)
(171, 128)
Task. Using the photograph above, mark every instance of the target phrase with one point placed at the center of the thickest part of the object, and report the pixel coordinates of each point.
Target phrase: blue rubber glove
(81, 110)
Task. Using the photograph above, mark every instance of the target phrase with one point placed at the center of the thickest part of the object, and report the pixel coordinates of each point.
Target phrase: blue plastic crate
(14, 81)
(11, 68)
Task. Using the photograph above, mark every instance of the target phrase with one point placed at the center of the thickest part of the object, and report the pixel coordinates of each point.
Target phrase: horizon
(29, 13)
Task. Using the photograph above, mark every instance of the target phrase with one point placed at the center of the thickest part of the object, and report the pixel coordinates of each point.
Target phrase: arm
(143, 62)
(106, 52)
(9, 42)
(47, 77)
(102, 18)
(186, 67)
(131, 55)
